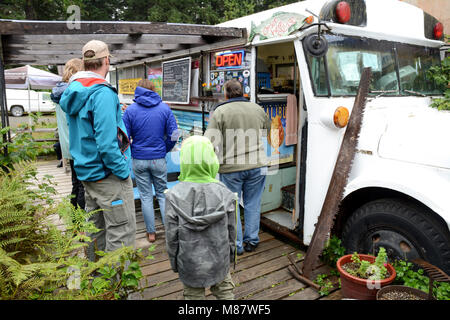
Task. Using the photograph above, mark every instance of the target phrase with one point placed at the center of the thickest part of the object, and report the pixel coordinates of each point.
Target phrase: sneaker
(60, 164)
(249, 247)
(240, 252)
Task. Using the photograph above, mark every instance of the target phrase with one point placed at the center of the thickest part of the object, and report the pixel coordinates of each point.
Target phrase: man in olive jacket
(236, 129)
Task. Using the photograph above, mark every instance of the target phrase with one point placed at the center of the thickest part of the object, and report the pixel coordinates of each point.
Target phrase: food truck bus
(302, 63)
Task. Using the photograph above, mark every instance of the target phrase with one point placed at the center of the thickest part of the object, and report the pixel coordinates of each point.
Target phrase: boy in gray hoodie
(201, 223)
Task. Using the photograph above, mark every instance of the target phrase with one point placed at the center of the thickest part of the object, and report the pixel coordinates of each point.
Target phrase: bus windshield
(397, 68)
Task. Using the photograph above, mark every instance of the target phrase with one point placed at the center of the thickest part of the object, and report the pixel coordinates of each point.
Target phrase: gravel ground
(399, 295)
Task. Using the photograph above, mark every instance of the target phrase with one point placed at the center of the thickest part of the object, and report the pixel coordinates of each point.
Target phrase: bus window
(317, 71)
(348, 56)
(414, 62)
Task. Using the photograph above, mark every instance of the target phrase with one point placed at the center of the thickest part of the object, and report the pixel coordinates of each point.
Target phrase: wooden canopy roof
(54, 42)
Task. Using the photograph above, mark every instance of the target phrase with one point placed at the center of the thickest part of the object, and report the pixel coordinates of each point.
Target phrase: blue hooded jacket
(98, 140)
(151, 126)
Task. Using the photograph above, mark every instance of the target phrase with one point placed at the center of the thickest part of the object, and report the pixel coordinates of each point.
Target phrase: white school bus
(398, 191)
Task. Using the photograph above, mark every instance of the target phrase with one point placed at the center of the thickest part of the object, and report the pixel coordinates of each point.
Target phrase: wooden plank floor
(259, 275)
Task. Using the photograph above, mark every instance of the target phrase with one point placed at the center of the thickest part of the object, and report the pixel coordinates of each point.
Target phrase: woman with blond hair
(70, 68)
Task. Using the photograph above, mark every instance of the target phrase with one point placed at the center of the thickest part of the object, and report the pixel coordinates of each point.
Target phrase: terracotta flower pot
(358, 288)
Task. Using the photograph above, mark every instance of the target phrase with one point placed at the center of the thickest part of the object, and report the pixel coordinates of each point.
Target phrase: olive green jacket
(236, 129)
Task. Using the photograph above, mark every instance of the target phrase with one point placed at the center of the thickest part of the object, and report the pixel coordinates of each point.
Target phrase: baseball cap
(99, 48)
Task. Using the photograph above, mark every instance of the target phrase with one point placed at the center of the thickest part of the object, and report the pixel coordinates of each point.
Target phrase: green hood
(198, 162)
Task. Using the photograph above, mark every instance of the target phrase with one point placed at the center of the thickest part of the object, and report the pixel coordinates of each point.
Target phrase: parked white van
(19, 102)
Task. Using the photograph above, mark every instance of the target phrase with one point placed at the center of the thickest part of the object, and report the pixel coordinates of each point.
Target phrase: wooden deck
(259, 275)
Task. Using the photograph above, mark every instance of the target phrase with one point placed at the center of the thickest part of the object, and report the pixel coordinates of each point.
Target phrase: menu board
(127, 86)
(176, 82)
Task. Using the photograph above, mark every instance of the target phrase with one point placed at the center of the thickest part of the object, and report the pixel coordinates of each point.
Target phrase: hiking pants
(222, 290)
(117, 219)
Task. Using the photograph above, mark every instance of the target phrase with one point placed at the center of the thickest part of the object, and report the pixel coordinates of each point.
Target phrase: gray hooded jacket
(200, 223)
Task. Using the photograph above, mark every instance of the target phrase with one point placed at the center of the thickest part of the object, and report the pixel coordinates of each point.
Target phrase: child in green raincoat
(201, 223)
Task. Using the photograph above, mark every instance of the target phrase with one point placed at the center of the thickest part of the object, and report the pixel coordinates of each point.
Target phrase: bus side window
(318, 75)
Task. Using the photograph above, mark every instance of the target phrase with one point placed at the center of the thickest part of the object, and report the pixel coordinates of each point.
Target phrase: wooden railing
(54, 130)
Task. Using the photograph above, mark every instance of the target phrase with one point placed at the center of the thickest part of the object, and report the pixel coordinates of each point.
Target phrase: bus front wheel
(406, 230)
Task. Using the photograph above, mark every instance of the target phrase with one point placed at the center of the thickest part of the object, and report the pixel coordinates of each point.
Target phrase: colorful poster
(219, 77)
(275, 146)
(127, 86)
(155, 76)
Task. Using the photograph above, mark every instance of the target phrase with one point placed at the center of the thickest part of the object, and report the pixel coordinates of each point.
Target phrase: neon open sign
(229, 60)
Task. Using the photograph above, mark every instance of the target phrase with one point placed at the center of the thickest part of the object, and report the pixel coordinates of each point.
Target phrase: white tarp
(20, 78)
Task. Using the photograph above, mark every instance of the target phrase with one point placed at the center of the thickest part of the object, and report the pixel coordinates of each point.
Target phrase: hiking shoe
(249, 247)
(151, 237)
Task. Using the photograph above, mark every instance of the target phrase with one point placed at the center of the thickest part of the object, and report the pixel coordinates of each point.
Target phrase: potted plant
(363, 275)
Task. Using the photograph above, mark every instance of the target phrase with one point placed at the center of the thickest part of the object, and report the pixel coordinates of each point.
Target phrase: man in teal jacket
(100, 148)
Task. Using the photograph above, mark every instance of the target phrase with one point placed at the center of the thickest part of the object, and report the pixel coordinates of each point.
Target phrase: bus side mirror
(316, 45)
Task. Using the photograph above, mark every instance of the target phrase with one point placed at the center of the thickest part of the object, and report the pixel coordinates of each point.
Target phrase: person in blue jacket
(153, 131)
(99, 145)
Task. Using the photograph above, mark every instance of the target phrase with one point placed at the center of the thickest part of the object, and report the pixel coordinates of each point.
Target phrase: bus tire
(17, 111)
(406, 230)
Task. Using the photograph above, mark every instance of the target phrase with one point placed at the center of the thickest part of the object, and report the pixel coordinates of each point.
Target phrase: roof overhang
(55, 42)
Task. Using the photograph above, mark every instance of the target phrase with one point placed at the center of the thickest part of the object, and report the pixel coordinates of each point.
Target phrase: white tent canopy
(27, 77)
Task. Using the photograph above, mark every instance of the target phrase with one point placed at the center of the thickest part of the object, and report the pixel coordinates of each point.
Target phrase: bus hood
(419, 135)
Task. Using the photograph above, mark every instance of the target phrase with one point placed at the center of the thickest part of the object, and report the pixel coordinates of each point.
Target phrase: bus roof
(384, 17)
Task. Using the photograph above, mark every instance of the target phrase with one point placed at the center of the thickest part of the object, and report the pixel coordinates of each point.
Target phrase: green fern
(36, 257)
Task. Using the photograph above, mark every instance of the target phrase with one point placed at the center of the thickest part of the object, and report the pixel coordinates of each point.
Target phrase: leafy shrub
(325, 285)
(408, 275)
(441, 76)
(40, 261)
(333, 251)
(22, 146)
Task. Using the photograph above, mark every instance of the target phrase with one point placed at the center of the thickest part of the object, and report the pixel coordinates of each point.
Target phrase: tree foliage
(441, 76)
(187, 11)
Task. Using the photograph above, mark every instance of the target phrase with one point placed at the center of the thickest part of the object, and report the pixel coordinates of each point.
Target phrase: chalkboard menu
(176, 82)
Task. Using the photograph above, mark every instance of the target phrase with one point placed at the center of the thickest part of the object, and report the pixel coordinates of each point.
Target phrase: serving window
(276, 69)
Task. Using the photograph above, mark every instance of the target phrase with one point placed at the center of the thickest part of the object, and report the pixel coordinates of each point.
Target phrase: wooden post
(117, 79)
(3, 105)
